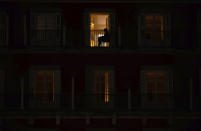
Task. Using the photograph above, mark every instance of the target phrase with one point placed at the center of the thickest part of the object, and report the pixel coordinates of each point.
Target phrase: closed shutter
(87, 29)
(112, 29)
(2, 88)
(3, 28)
(167, 29)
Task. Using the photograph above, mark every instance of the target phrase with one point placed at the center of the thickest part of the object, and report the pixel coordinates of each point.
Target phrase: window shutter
(141, 22)
(112, 30)
(143, 83)
(167, 27)
(57, 85)
(32, 80)
(87, 29)
(111, 86)
(25, 30)
(2, 87)
(4, 28)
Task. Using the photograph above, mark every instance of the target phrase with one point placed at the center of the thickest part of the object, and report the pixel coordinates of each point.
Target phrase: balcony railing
(94, 34)
(89, 102)
(162, 100)
(46, 36)
(86, 102)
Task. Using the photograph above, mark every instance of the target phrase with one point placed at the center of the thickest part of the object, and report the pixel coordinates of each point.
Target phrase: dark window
(46, 29)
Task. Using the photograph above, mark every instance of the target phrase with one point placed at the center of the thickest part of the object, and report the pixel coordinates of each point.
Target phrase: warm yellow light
(92, 26)
(92, 43)
(106, 88)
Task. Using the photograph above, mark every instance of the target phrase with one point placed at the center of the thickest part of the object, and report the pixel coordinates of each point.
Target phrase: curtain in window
(44, 90)
(157, 87)
(154, 27)
(102, 86)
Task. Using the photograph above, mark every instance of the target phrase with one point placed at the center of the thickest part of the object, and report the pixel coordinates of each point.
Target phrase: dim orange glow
(154, 27)
(92, 43)
(92, 26)
(45, 87)
(106, 88)
(156, 83)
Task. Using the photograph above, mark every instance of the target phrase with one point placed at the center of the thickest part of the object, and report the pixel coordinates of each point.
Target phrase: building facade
(100, 65)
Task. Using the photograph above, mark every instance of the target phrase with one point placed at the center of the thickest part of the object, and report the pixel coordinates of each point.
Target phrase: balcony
(46, 37)
(94, 35)
(125, 104)
(89, 102)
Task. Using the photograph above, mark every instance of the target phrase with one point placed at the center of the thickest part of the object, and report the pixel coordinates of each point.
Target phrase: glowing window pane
(98, 22)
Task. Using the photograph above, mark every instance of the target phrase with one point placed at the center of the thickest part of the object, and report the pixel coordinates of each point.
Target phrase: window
(101, 89)
(98, 37)
(154, 30)
(46, 29)
(154, 27)
(3, 28)
(99, 27)
(45, 87)
(156, 88)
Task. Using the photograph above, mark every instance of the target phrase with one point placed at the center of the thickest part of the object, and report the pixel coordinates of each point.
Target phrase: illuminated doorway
(99, 22)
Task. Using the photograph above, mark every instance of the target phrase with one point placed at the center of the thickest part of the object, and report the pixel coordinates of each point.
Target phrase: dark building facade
(100, 65)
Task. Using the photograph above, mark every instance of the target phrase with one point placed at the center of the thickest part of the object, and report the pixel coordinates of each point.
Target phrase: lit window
(100, 83)
(44, 87)
(46, 28)
(99, 30)
(102, 87)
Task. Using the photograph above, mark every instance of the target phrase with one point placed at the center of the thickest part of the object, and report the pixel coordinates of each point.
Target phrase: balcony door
(99, 22)
(100, 83)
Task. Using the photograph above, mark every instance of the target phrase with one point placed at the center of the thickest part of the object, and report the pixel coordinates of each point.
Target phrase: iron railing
(94, 35)
(88, 102)
(50, 36)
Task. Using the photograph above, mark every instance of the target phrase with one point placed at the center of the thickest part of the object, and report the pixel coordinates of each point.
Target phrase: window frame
(89, 85)
(48, 43)
(57, 86)
(143, 86)
(143, 43)
(86, 26)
